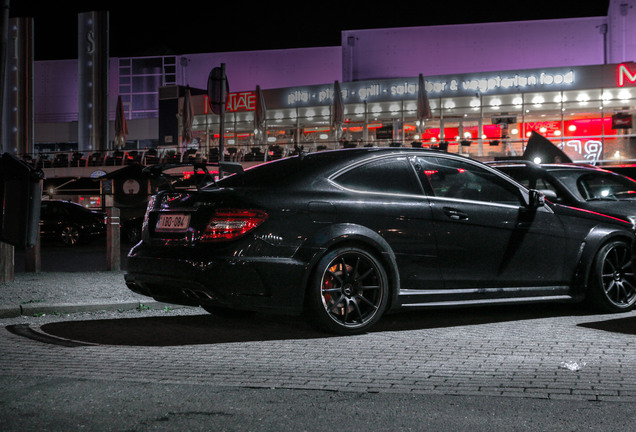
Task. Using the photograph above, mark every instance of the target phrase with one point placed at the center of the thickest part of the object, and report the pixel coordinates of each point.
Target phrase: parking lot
(540, 351)
(553, 352)
(494, 364)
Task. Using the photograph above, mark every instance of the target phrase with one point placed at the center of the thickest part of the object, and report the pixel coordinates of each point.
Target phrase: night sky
(138, 29)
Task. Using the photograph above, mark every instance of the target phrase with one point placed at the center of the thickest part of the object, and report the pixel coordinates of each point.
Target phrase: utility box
(20, 197)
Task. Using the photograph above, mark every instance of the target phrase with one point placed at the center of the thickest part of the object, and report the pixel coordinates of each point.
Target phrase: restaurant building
(585, 110)
(488, 87)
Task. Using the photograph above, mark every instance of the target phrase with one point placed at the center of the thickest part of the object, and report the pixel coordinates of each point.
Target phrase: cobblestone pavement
(547, 352)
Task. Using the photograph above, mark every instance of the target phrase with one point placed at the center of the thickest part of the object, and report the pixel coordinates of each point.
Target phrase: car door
(48, 219)
(385, 195)
(486, 236)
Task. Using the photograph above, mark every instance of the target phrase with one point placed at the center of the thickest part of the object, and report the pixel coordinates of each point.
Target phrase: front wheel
(70, 235)
(348, 292)
(613, 286)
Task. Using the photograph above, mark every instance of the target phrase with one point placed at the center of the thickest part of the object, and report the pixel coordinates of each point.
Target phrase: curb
(47, 308)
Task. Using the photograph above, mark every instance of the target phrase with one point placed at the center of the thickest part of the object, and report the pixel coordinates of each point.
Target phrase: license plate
(173, 222)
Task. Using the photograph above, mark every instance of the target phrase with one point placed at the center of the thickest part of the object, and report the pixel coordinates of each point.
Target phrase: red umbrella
(121, 127)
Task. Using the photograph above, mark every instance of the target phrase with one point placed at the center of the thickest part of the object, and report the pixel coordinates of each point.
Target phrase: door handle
(455, 214)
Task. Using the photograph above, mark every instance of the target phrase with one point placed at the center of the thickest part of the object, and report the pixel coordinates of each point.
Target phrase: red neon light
(623, 73)
(241, 101)
(188, 174)
(599, 214)
(318, 129)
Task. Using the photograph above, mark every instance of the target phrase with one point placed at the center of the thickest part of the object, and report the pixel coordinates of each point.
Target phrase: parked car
(628, 170)
(586, 187)
(345, 236)
(70, 223)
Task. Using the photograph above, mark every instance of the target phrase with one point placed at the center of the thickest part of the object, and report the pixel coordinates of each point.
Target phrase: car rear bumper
(265, 284)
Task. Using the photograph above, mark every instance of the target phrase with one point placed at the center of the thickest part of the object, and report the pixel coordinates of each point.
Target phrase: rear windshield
(279, 172)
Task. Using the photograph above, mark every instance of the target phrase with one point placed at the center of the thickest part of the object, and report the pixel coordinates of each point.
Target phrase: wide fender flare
(335, 235)
(595, 239)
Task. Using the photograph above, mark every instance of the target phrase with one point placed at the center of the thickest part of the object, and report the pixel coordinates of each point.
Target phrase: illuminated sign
(625, 76)
(591, 150)
(444, 86)
(241, 101)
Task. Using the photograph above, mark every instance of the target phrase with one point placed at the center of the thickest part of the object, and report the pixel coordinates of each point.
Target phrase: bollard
(113, 250)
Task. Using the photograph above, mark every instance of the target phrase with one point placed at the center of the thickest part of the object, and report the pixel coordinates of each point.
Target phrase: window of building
(139, 83)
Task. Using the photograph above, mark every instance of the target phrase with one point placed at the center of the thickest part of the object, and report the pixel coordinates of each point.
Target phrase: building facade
(488, 87)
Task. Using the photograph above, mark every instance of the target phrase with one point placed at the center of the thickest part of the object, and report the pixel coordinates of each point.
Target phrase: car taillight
(229, 224)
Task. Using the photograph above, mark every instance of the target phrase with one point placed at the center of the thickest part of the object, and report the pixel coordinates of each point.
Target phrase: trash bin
(20, 197)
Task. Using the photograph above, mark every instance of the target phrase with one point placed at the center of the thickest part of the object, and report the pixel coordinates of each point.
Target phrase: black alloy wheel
(349, 291)
(613, 284)
(69, 235)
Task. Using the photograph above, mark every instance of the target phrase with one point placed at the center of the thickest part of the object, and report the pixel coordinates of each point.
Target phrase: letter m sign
(625, 76)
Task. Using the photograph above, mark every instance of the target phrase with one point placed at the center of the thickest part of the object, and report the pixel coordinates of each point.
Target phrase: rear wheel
(348, 292)
(613, 286)
(133, 234)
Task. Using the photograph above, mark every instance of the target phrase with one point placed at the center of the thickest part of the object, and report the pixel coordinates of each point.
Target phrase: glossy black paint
(70, 223)
(627, 170)
(441, 237)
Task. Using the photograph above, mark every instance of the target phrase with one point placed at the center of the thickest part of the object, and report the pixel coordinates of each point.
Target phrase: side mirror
(549, 194)
(536, 199)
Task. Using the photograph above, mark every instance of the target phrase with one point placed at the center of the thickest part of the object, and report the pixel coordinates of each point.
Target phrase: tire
(612, 285)
(133, 234)
(69, 235)
(348, 292)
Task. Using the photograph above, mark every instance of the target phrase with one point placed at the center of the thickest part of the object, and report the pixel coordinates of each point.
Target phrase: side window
(387, 175)
(533, 180)
(451, 178)
(549, 190)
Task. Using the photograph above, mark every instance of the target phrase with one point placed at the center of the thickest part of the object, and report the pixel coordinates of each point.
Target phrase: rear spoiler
(200, 168)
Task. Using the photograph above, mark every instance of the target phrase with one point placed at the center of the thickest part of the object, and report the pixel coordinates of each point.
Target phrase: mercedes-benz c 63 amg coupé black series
(344, 236)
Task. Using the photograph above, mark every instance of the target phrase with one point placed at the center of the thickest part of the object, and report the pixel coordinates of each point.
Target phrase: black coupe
(344, 236)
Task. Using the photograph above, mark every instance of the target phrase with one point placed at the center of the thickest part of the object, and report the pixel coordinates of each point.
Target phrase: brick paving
(547, 356)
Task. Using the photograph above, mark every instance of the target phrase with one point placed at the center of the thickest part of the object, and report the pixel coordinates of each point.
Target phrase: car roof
(546, 167)
(304, 166)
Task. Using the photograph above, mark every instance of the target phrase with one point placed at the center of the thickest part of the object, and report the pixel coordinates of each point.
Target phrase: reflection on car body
(344, 236)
